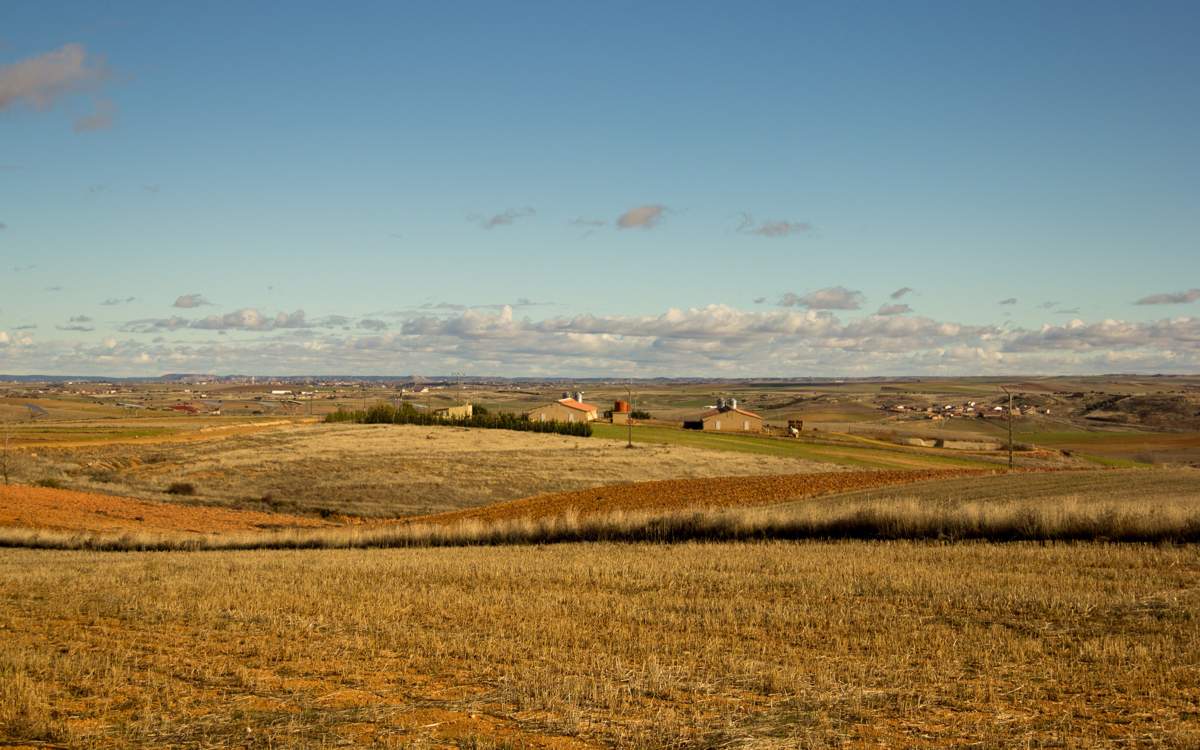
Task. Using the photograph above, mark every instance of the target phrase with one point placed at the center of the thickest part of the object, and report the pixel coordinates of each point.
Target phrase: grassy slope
(378, 470)
(856, 452)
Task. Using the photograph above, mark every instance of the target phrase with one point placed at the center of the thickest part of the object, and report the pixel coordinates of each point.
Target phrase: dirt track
(45, 508)
(688, 494)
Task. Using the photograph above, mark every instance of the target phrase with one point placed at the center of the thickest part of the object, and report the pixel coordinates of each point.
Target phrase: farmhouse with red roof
(569, 408)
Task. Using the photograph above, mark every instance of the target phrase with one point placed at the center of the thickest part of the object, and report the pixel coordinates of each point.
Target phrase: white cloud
(504, 218)
(829, 298)
(894, 309)
(589, 226)
(1170, 298)
(747, 225)
(39, 81)
(585, 223)
(245, 319)
(713, 340)
(190, 300)
(101, 119)
(901, 292)
(147, 325)
(642, 217)
(250, 319)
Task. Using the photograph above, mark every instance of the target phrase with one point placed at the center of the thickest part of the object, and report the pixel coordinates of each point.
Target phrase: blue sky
(440, 187)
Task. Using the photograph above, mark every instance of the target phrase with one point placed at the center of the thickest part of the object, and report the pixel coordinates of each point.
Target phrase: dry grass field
(492, 589)
(55, 509)
(381, 470)
(640, 646)
(1143, 506)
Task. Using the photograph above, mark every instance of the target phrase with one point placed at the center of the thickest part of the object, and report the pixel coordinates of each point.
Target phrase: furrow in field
(688, 494)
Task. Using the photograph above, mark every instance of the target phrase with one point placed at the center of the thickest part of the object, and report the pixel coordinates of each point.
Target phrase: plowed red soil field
(46, 508)
(689, 494)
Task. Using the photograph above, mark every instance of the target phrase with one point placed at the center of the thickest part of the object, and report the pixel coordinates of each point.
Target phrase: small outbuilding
(462, 411)
(621, 412)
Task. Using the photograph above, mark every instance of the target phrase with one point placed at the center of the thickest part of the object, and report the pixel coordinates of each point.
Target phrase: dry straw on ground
(771, 645)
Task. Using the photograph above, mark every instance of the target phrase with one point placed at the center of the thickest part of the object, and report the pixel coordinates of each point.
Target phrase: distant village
(970, 409)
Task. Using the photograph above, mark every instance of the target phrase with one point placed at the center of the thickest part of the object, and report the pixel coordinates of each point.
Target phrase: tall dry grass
(1061, 520)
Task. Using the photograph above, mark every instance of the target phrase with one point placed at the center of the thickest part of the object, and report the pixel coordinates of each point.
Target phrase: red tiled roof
(714, 412)
(571, 403)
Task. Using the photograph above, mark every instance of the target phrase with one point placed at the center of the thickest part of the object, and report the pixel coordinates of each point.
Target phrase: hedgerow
(407, 414)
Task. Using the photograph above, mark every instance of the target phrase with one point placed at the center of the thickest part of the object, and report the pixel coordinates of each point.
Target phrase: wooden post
(4, 458)
(629, 417)
(1010, 426)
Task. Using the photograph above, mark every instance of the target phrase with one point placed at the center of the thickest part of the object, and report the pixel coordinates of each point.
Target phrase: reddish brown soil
(689, 494)
(46, 508)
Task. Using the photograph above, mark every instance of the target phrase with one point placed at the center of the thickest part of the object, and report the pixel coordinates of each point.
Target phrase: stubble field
(507, 640)
(731, 645)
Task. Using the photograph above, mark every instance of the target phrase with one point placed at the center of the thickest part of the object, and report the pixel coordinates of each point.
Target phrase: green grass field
(855, 452)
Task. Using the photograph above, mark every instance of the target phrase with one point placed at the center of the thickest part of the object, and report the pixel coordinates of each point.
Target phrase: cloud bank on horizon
(717, 340)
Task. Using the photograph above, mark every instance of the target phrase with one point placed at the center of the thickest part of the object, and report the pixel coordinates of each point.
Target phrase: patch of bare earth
(697, 494)
(56, 509)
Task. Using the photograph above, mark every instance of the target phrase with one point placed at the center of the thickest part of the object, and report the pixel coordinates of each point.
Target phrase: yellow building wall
(559, 413)
(731, 421)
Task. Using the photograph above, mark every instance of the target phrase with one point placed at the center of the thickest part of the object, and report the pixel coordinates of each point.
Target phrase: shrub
(181, 488)
(51, 482)
(408, 414)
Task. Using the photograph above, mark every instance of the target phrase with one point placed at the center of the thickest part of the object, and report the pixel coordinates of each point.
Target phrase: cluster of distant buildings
(726, 416)
(965, 409)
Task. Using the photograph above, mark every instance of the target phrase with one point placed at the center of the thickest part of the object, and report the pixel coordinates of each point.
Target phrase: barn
(728, 417)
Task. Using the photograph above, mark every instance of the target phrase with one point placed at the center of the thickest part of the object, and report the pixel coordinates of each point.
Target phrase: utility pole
(629, 418)
(4, 458)
(1010, 441)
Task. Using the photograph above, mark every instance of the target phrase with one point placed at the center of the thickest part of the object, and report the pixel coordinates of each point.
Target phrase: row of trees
(407, 414)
